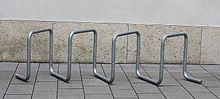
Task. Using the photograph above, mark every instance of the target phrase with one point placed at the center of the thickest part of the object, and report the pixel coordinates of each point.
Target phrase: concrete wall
(180, 12)
(204, 41)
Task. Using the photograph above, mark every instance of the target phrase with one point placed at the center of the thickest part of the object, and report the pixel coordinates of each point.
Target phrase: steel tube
(70, 43)
(163, 40)
(29, 39)
(111, 79)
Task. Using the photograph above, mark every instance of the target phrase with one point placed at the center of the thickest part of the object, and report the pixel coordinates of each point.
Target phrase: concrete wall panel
(82, 50)
(150, 43)
(210, 51)
(203, 42)
(13, 40)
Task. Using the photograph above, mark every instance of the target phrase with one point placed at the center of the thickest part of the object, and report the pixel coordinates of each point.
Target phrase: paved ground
(126, 86)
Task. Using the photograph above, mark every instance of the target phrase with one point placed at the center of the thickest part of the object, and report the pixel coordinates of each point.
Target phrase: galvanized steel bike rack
(113, 56)
(29, 39)
(162, 60)
(67, 78)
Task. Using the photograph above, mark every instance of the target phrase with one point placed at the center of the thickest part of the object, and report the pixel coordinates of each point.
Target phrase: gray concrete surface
(83, 85)
(181, 12)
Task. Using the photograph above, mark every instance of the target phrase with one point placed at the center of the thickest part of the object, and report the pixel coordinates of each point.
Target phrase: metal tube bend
(29, 39)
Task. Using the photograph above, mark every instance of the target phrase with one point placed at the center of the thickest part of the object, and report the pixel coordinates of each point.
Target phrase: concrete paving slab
(1, 95)
(128, 66)
(91, 96)
(93, 82)
(31, 81)
(3, 89)
(45, 86)
(127, 86)
(204, 96)
(136, 80)
(18, 97)
(126, 97)
(87, 72)
(45, 67)
(22, 67)
(107, 68)
(6, 66)
(6, 74)
(194, 87)
(45, 76)
(211, 83)
(74, 67)
(88, 75)
(75, 75)
(44, 95)
(130, 70)
(71, 84)
(151, 96)
(124, 94)
(215, 90)
(20, 89)
(70, 94)
(34, 66)
(213, 69)
(151, 67)
(190, 86)
(119, 76)
(167, 79)
(208, 79)
(97, 89)
(22, 70)
(121, 85)
(75, 71)
(146, 88)
(174, 92)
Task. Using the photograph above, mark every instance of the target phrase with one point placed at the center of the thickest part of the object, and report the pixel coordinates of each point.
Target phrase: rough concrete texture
(82, 43)
(194, 47)
(203, 42)
(150, 43)
(14, 43)
(210, 51)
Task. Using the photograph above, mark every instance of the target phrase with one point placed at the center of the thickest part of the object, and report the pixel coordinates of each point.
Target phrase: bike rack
(29, 39)
(113, 56)
(162, 60)
(67, 78)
